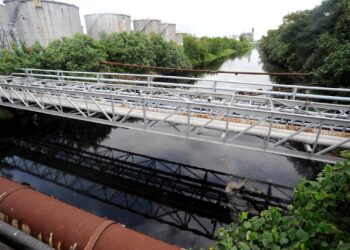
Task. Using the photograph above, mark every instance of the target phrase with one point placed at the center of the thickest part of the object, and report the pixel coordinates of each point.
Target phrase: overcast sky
(206, 17)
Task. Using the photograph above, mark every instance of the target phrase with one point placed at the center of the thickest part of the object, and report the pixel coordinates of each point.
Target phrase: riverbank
(323, 51)
(211, 57)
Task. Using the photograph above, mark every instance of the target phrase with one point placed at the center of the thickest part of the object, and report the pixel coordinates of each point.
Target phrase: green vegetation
(137, 48)
(79, 53)
(82, 53)
(205, 50)
(316, 41)
(319, 217)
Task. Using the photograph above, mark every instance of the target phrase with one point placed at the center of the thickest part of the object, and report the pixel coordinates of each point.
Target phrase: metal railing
(276, 127)
(289, 91)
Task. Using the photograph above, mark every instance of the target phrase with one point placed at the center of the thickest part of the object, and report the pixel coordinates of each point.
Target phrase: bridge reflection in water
(187, 197)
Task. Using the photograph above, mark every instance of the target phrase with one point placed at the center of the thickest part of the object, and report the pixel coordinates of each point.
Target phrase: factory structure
(249, 35)
(30, 21)
(107, 23)
(42, 20)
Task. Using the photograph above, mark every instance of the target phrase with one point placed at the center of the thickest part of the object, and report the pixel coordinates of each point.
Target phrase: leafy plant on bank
(79, 53)
(319, 217)
(207, 49)
(82, 53)
(316, 41)
(141, 49)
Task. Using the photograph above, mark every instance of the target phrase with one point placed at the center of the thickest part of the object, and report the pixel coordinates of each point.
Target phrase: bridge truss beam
(279, 125)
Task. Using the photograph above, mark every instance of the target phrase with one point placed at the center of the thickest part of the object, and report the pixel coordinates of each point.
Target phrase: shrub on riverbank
(138, 48)
(318, 219)
(316, 41)
(82, 53)
(205, 49)
(78, 53)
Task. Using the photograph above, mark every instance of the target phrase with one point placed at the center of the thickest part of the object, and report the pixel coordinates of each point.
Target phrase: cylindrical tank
(180, 38)
(106, 23)
(168, 31)
(43, 20)
(147, 26)
(4, 20)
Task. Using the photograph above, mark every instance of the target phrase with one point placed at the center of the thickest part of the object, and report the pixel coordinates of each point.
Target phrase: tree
(315, 41)
(79, 53)
(26, 58)
(168, 54)
(132, 48)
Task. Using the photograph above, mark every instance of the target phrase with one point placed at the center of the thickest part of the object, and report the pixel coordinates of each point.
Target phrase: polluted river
(176, 190)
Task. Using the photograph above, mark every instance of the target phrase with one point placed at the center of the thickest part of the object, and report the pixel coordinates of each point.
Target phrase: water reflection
(188, 198)
(169, 199)
(252, 61)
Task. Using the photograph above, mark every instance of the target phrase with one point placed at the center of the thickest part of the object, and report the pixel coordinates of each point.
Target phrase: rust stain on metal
(63, 226)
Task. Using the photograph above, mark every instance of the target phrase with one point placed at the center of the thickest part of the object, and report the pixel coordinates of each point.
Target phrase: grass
(211, 57)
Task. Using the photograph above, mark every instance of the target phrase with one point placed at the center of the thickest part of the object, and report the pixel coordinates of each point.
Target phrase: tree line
(82, 53)
(315, 41)
(206, 49)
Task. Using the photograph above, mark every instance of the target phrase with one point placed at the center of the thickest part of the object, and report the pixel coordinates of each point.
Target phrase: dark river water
(169, 188)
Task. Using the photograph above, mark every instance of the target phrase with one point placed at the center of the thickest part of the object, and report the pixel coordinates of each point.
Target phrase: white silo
(180, 38)
(168, 31)
(108, 23)
(4, 20)
(147, 26)
(42, 20)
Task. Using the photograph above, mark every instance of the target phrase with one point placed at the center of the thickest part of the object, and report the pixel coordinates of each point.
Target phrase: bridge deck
(206, 116)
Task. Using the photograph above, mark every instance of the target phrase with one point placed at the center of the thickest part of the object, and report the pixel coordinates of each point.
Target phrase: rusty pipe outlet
(62, 226)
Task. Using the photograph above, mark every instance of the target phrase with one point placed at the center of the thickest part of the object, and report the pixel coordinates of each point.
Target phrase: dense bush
(9, 61)
(316, 41)
(138, 48)
(205, 49)
(82, 53)
(318, 219)
(168, 54)
(79, 53)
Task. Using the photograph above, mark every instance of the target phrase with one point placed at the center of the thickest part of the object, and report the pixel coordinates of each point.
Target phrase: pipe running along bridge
(307, 122)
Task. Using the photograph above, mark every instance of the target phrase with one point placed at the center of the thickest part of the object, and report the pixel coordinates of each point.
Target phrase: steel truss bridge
(307, 122)
(187, 197)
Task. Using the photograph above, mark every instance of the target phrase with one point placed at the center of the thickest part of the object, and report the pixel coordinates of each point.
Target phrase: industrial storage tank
(180, 38)
(43, 20)
(106, 23)
(147, 26)
(168, 31)
(4, 20)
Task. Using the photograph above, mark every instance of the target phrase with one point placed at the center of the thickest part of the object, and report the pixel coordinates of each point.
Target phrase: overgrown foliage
(82, 53)
(204, 50)
(79, 53)
(138, 48)
(316, 41)
(318, 219)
